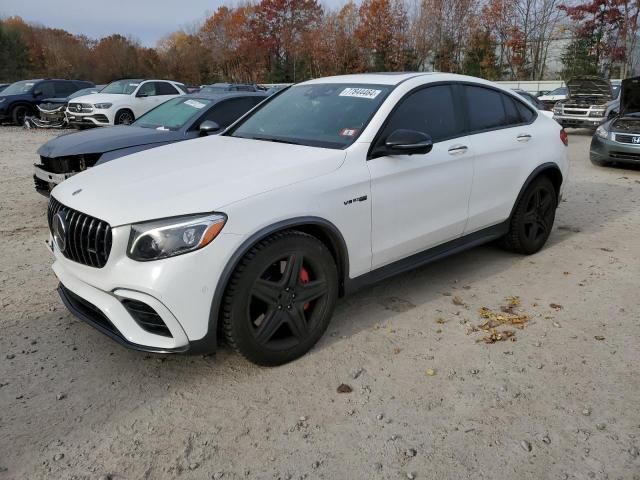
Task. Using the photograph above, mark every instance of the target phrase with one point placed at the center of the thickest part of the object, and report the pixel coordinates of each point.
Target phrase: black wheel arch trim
(532, 176)
(208, 343)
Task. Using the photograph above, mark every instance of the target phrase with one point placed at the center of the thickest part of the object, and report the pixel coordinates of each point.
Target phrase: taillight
(564, 137)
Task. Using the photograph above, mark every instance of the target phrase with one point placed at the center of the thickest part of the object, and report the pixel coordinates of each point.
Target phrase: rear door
(420, 201)
(503, 136)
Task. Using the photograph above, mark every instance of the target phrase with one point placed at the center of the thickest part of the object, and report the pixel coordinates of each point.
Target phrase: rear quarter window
(490, 109)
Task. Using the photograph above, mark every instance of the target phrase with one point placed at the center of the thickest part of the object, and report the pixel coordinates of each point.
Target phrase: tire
(532, 219)
(271, 314)
(18, 114)
(124, 117)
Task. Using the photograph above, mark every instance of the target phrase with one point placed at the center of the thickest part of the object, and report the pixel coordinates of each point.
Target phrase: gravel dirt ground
(428, 400)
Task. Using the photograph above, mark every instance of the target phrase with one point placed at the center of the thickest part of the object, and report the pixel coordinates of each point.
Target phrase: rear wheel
(19, 113)
(280, 299)
(533, 218)
(124, 117)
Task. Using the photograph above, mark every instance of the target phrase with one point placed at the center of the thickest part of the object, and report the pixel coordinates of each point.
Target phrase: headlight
(602, 132)
(103, 106)
(557, 108)
(173, 236)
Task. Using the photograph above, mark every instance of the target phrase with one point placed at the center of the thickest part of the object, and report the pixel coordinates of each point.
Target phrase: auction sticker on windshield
(369, 93)
(194, 104)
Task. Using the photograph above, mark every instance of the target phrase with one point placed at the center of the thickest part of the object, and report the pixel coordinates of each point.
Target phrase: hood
(589, 87)
(626, 125)
(100, 98)
(200, 175)
(105, 139)
(630, 96)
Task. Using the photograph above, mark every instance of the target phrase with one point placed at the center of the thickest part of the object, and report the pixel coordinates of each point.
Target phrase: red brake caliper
(304, 278)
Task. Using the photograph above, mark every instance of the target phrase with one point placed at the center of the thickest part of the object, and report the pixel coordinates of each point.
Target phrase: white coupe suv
(324, 187)
(121, 102)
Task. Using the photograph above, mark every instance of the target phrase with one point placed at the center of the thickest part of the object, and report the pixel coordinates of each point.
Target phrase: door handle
(523, 137)
(458, 150)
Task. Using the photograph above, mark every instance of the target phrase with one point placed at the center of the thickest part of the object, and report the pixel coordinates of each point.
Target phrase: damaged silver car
(618, 140)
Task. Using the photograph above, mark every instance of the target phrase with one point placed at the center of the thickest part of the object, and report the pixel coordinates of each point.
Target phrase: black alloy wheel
(280, 299)
(533, 218)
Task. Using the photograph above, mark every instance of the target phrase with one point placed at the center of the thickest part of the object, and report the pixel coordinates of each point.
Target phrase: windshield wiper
(272, 139)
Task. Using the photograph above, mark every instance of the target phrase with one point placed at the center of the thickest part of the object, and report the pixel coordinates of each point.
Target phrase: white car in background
(550, 99)
(328, 186)
(122, 102)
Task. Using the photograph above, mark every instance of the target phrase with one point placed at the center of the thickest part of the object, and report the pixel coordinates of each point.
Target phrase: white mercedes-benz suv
(325, 187)
(121, 102)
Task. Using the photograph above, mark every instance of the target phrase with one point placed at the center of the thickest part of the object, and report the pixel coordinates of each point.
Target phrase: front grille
(146, 317)
(88, 240)
(69, 164)
(625, 156)
(80, 108)
(622, 138)
(575, 112)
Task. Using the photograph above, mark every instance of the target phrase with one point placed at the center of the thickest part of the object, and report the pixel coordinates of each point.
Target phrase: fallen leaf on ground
(495, 336)
(397, 350)
(604, 249)
(344, 388)
(599, 337)
(513, 301)
(458, 301)
(441, 320)
(431, 372)
(494, 320)
(556, 306)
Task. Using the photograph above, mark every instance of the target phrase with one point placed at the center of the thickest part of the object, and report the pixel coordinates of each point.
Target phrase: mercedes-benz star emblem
(79, 107)
(60, 232)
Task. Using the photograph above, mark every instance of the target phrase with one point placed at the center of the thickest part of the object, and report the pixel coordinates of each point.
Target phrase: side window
(228, 111)
(164, 88)
(64, 89)
(47, 89)
(430, 110)
(148, 89)
(485, 108)
(511, 111)
(526, 115)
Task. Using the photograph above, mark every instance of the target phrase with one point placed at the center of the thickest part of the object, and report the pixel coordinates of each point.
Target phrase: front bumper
(102, 119)
(578, 121)
(606, 150)
(180, 290)
(52, 179)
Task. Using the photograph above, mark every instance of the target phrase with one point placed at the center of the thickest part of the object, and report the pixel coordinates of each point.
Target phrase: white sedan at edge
(121, 102)
(327, 186)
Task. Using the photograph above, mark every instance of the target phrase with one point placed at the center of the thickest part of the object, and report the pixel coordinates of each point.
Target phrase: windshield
(173, 114)
(123, 87)
(19, 87)
(84, 91)
(329, 115)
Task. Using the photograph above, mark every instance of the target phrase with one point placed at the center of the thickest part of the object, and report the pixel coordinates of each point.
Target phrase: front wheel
(280, 298)
(124, 117)
(533, 218)
(19, 114)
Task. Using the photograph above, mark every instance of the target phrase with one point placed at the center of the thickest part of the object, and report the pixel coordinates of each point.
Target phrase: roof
(395, 78)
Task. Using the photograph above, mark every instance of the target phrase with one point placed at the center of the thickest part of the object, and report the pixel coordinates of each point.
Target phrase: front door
(421, 201)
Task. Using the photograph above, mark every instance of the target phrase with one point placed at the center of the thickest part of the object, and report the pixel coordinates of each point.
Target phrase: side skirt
(427, 256)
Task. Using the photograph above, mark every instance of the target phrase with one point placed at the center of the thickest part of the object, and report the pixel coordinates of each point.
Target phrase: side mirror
(407, 142)
(141, 95)
(37, 93)
(208, 126)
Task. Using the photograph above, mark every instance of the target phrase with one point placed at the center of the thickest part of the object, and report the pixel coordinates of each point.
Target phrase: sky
(145, 20)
